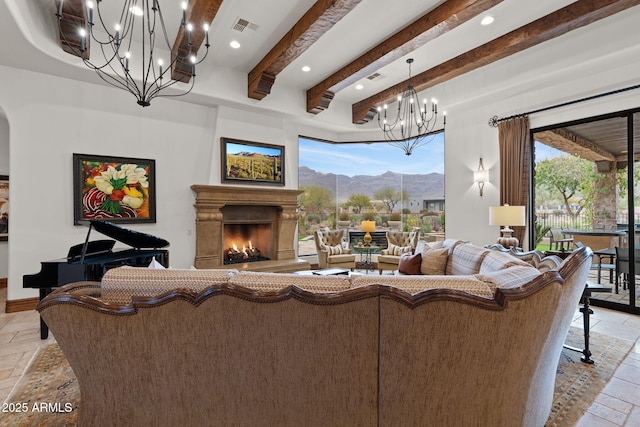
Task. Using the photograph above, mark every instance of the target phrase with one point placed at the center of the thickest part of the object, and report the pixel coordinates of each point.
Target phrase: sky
(544, 152)
(233, 148)
(371, 159)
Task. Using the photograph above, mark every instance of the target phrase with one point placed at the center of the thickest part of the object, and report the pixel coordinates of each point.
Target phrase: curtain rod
(493, 121)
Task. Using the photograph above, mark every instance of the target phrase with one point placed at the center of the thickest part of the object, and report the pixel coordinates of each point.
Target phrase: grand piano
(91, 259)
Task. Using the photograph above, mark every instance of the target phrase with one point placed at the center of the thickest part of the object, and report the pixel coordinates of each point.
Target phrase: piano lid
(130, 237)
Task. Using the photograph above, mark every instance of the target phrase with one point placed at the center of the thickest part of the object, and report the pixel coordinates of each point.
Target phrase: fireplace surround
(268, 216)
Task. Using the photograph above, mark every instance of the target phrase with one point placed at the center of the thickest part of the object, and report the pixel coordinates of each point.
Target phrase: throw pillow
(335, 250)
(410, 264)
(434, 261)
(398, 250)
(155, 265)
(436, 245)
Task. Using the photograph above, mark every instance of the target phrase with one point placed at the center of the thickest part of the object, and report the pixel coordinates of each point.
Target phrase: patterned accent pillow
(466, 259)
(437, 245)
(511, 277)
(434, 261)
(496, 260)
(398, 250)
(335, 250)
(410, 264)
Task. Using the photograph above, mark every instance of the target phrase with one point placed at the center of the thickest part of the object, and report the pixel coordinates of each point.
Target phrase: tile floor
(617, 405)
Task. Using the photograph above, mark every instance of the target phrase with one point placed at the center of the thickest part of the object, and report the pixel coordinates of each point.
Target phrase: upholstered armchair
(399, 242)
(331, 254)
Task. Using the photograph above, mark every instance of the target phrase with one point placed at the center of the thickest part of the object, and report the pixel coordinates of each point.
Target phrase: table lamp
(368, 227)
(507, 216)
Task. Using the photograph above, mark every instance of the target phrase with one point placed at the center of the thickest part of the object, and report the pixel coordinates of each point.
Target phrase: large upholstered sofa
(478, 346)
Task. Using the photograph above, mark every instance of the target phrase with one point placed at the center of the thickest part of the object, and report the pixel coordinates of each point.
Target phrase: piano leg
(44, 329)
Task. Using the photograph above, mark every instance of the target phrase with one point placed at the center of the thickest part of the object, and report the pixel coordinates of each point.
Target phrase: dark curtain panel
(515, 157)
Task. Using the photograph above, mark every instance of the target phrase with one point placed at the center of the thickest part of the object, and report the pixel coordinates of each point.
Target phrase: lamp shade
(368, 226)
(507, 215)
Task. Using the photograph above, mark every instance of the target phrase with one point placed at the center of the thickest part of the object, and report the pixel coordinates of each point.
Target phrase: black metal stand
(586, 323)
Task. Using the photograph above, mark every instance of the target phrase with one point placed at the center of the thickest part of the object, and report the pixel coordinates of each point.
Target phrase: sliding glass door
(586, 191)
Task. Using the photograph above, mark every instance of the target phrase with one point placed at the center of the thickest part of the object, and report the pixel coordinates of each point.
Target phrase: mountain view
(420, 186)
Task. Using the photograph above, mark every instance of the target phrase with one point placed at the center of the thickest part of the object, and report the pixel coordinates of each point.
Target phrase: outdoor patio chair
(622, 265)
(558, 238)
(611, 266)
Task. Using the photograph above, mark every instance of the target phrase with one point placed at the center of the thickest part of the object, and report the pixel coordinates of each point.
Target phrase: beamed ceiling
(321, 17)
(357, 42)
(598, 141)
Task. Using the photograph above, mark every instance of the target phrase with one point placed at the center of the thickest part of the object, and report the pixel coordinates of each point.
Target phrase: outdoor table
(598, 239)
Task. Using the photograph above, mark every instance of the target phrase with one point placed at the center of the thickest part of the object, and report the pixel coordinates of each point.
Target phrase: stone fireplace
(246, 220)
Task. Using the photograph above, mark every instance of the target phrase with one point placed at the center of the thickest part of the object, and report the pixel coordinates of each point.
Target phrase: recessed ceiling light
(235, 44)
(306, 68)
(359, 87)
(487, 20)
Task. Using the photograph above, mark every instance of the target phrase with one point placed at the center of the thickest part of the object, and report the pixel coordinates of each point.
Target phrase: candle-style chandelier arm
(120, 54)
(414, 119)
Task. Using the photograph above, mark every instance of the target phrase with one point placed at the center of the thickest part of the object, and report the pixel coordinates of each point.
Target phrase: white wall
(4, 170)
(59, 117)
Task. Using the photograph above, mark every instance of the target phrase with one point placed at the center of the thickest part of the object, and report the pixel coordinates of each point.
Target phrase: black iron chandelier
(414, 123)
(131, 45)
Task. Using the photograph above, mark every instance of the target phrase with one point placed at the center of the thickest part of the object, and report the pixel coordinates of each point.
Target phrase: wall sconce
(480, 176)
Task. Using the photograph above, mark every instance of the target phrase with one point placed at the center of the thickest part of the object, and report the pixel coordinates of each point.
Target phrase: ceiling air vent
(243, 24)
(374, 76)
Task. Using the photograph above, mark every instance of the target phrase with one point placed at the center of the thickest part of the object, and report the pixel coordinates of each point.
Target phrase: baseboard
(26, 304)
(3, 282)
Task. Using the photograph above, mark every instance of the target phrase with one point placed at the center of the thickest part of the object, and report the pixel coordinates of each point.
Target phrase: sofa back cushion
(511, 277)
(415, 284)
(450, 244)
(276, 281)
(466, 259)
(120, 284)
(496, 260)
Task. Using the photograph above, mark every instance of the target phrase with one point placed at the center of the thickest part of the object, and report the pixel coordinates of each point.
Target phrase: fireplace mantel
(210, 201)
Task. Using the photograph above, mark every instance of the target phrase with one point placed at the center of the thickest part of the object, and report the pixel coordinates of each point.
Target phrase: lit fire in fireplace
(247, 254)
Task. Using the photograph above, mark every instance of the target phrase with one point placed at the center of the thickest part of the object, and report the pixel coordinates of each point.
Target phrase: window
(346, 183)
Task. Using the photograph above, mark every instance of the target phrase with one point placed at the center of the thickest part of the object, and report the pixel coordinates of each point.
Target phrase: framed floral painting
(115, 189)
(4, 207)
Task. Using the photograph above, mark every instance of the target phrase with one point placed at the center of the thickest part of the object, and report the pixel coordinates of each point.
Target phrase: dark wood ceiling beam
(319, 19)
(199, 12)
(576, 15)
(568, 142)
(74, 17)
(428, 27)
